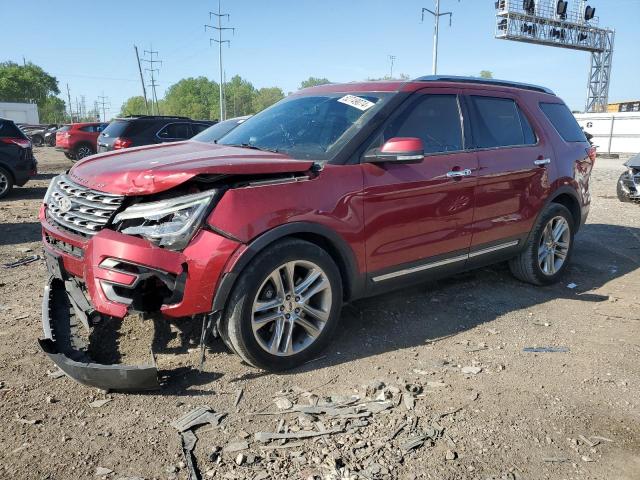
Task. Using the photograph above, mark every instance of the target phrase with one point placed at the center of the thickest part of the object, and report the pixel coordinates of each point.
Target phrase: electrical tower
(153, 72)
(553, 23)
(104, 102)
(392, 59)
(436, 15)
(220, 29)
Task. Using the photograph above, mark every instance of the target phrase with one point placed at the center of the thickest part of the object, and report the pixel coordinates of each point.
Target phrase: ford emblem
(64, 204)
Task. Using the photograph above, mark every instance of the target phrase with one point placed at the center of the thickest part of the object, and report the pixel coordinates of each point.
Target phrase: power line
(104, 101)
(153, 72)
(436, 14)
(220, 41)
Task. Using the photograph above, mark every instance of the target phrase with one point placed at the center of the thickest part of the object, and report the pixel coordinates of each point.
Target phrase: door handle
(459, 173)
(542, 161)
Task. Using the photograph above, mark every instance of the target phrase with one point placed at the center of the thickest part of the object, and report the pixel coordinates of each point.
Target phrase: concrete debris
(196, 417)
(283, 403)
(450, 455)
(101, 471)
(409, 400)
(471, 370)
(99, 403)
(234, 447)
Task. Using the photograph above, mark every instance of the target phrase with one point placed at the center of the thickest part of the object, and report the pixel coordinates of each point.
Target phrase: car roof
(434, 81)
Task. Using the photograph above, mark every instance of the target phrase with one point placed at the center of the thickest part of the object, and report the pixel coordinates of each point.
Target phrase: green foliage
(196, 98)
(239, 95)
(134, 106)
(402, 76)
(486, 74)
(313, 81)
(52, 110)
(265, 97)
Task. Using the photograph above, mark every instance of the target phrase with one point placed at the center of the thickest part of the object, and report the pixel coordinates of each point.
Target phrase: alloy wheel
(291, 308)
(83, 152)
(554, 245)
(4, 184)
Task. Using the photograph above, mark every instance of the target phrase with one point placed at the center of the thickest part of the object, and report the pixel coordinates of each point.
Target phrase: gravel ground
(519, 415)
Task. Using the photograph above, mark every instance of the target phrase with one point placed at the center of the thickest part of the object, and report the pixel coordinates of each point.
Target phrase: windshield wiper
(252, 147)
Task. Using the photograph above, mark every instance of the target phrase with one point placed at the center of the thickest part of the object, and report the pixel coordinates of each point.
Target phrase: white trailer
(20, 112)
(617, 132)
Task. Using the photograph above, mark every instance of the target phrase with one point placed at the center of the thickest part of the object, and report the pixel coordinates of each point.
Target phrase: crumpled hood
(633, 162)
(156, 168)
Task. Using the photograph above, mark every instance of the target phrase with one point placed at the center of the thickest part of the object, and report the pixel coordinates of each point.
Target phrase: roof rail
(156, 116)
(485, 81)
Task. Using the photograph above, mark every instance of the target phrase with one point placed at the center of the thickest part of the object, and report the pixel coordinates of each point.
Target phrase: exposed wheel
(6, 183)
(37, 140)
(69, 156)
(285, 306)
(82, 151)
(623, 195)
(51, 141)
(548, 249)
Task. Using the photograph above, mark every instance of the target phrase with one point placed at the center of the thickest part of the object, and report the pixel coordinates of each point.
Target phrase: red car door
(513, 161)
(417, 216)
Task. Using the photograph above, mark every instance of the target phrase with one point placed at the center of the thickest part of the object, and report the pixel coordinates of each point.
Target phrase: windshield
(311, 127)
(217, 131)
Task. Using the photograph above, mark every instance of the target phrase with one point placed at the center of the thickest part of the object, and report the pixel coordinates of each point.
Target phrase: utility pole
(153, 71)
(69, 104)
(104, 101)
(436, 16)
(144, 89)
(392, 59)
(220, 41)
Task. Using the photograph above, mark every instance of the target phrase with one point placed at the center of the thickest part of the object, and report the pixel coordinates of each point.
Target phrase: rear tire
(548, 249)
(6, 183)
(70, 156)
(284, 307)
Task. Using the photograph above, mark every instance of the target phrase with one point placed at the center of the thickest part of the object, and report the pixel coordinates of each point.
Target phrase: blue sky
(281, 42)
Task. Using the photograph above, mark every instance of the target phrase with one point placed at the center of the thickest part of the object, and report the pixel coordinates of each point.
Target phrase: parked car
(50, 135)
(38, 135)
(335, 193)
(17, 163)
(148, 129)
(220, 129)
(78, 140)
(628, 188)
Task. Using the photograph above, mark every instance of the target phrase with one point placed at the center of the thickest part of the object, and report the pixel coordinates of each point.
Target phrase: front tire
(284, 307)
(549, 248)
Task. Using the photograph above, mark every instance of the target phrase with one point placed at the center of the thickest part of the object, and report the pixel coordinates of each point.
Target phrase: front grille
(80, 209)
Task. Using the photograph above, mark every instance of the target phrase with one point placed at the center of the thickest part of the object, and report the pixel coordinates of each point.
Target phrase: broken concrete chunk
(101, 471)
(234, 447)
(450, 455)
(282, 403)
(99, 403)
(198, 416)
(471, 370)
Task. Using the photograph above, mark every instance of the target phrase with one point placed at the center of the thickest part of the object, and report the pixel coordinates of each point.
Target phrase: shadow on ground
(16, 233)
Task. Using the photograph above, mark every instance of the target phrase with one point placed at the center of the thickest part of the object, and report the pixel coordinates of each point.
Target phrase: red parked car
(335, 193)
(78, 140)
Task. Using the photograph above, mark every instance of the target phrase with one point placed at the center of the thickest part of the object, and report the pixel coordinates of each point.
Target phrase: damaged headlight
(168, 223)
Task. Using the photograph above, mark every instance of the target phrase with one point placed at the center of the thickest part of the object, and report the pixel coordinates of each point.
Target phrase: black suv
(17, 164)
(148, 129)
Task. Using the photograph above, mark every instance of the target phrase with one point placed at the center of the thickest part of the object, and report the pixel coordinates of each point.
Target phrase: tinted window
(88, 128)
(498, 122)
(115, 128)
(9, 130)
(433, 118)
(217, 131)
(564, 122)
(175, 130)
(64, 128)
(199, 127)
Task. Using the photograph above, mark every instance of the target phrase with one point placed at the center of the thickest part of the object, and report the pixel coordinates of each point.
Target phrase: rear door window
(199, 127)
(175, 131)
(498, 122)
(563, 121)
(435, 119)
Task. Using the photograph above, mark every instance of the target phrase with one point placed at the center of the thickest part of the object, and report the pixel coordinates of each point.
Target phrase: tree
(402, 76)
(52, 110)
(238, 97)
(196, 98)
(486, 74)
(313, 81)
(265, 97)
(133, 106)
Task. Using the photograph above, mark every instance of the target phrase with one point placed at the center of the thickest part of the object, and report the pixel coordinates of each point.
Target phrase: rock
(471, 370)
(100, 471)
(282, 403)
(240, 458)
(450, 455)
(234, 447)
(99, 403)
(586, 458)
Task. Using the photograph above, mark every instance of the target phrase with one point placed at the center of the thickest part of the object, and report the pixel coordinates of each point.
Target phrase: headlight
(168, 223)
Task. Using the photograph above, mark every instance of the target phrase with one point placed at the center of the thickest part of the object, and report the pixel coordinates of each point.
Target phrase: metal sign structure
(557, 24)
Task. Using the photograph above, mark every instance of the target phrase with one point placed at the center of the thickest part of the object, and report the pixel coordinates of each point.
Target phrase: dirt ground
(562, 415)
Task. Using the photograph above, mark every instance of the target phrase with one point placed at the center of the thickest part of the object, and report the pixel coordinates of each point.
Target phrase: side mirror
(397, 150)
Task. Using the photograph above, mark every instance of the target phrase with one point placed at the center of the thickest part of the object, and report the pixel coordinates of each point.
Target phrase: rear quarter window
(563, 121)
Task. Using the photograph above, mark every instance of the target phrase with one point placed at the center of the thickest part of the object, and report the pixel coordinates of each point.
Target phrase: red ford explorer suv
(335, 193)
(78, 140)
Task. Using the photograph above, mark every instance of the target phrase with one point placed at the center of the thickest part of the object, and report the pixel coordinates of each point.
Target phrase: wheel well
(9, 171)
(334, 252)
(572, 205)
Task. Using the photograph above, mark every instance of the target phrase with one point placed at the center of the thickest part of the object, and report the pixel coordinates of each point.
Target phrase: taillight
(16, 141)
(591, 151)
(121, 142)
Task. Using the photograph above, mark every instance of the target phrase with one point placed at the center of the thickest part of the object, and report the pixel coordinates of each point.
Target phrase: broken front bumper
(62, 314)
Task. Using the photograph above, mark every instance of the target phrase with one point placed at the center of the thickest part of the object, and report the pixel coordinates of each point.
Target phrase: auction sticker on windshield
(357, 102)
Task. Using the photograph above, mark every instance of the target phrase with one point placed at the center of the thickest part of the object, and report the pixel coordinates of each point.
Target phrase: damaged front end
(628, 189)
